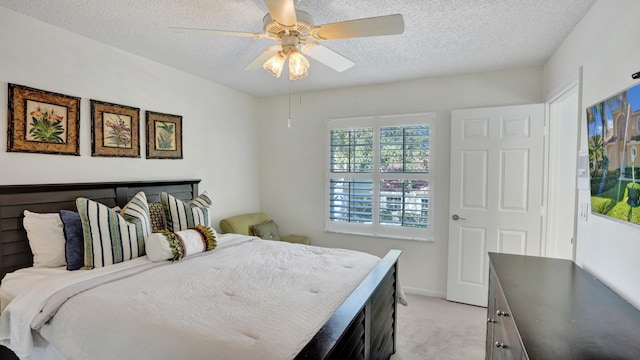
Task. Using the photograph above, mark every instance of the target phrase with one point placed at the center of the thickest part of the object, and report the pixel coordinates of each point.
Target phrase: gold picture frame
(43, 122)
(115, 130)
(164, 136)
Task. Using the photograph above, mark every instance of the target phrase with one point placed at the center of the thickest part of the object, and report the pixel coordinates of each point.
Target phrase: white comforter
(247, 299)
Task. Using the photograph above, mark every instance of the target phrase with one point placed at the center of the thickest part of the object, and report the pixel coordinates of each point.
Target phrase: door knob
(455, 217)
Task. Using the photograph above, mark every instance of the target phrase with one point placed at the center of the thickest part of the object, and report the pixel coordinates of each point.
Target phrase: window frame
(375, 229)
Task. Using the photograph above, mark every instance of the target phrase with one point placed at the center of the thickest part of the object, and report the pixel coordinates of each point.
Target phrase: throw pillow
(136, 211)
(46, 238)
(157, 217)
(74, 244)
(167, 245)
(111, 237)
(181, 215)
(267, 230)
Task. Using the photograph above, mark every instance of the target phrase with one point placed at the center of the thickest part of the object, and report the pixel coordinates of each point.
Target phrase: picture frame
(115, 130)
(43, 122)
(164, 135)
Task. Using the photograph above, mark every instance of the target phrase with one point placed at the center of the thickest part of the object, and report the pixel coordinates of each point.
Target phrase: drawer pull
(502, 313)
(500, 345)
(490, 320)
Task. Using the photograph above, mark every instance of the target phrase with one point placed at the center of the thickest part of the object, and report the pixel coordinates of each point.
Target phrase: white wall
(293, 160)
(218, 123)
(605, 44)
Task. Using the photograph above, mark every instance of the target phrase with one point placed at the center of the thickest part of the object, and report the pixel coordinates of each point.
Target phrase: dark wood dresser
(543, 308)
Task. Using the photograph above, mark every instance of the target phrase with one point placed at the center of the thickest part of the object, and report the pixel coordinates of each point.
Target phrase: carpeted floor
(434, 328)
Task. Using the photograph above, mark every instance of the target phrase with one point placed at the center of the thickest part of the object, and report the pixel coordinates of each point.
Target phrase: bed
(362, 326)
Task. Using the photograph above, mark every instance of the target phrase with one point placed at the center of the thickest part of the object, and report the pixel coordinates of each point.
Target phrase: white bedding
(16, 282)
(247, 299)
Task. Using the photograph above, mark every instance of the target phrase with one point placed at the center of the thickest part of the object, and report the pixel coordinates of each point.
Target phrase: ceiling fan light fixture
(293, 29)
(275, 64)
(298, 65)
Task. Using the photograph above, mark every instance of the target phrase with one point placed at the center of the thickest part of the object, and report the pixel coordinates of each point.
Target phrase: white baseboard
(424, 292)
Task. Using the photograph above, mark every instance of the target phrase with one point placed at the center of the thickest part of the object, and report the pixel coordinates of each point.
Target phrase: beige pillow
(46, 238)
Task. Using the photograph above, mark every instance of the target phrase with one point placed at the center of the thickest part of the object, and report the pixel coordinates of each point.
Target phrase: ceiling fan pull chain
(289, 121)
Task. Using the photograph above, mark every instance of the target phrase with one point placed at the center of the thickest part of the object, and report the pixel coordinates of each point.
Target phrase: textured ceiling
(441, 37)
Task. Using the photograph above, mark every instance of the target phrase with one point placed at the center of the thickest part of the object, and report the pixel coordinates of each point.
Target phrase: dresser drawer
(491, 314)
(506, 339)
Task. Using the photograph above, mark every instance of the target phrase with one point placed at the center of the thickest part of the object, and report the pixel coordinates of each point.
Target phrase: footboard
(364, 326)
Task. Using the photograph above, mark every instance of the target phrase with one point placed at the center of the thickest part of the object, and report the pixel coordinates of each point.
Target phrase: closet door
(495, 193)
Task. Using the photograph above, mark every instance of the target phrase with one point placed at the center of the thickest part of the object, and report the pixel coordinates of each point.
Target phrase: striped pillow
(109, 237)
(181, 215)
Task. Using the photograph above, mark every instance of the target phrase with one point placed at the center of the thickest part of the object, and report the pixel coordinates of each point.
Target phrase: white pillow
(46, 238)
(167, 245)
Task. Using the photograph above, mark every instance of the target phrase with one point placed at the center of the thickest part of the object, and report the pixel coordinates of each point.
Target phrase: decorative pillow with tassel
(167, 245)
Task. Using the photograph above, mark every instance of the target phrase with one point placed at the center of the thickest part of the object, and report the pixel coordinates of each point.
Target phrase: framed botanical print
(164, 136)
(43, 122)
(115, 130)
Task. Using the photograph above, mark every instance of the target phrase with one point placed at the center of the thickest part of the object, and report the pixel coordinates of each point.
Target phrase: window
(378, 176)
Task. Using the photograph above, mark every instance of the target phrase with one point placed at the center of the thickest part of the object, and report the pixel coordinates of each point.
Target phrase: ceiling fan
(297, 35)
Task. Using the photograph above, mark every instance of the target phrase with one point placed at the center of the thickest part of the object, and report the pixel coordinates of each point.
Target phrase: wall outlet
(583, 211)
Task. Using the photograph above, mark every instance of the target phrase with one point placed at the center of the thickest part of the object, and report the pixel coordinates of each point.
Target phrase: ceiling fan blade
(327, 56)
(375, 26)
(282, 11)
(262, 58)
(219, 32)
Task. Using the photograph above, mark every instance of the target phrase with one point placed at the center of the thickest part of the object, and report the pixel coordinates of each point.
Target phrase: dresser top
(563, 312)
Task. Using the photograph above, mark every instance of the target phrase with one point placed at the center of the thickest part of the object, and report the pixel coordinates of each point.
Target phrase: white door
(495, 193)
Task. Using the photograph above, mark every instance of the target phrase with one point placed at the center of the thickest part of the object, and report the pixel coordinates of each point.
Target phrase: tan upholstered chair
(258, 224)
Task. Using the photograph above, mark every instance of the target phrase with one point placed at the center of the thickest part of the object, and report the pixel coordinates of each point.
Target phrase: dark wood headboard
(15, 252)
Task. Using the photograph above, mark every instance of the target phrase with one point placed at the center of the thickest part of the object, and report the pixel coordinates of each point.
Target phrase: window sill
(427, 239)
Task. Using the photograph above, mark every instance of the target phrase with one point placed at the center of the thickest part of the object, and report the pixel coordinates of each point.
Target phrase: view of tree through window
(404, 149)
(351, 150)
